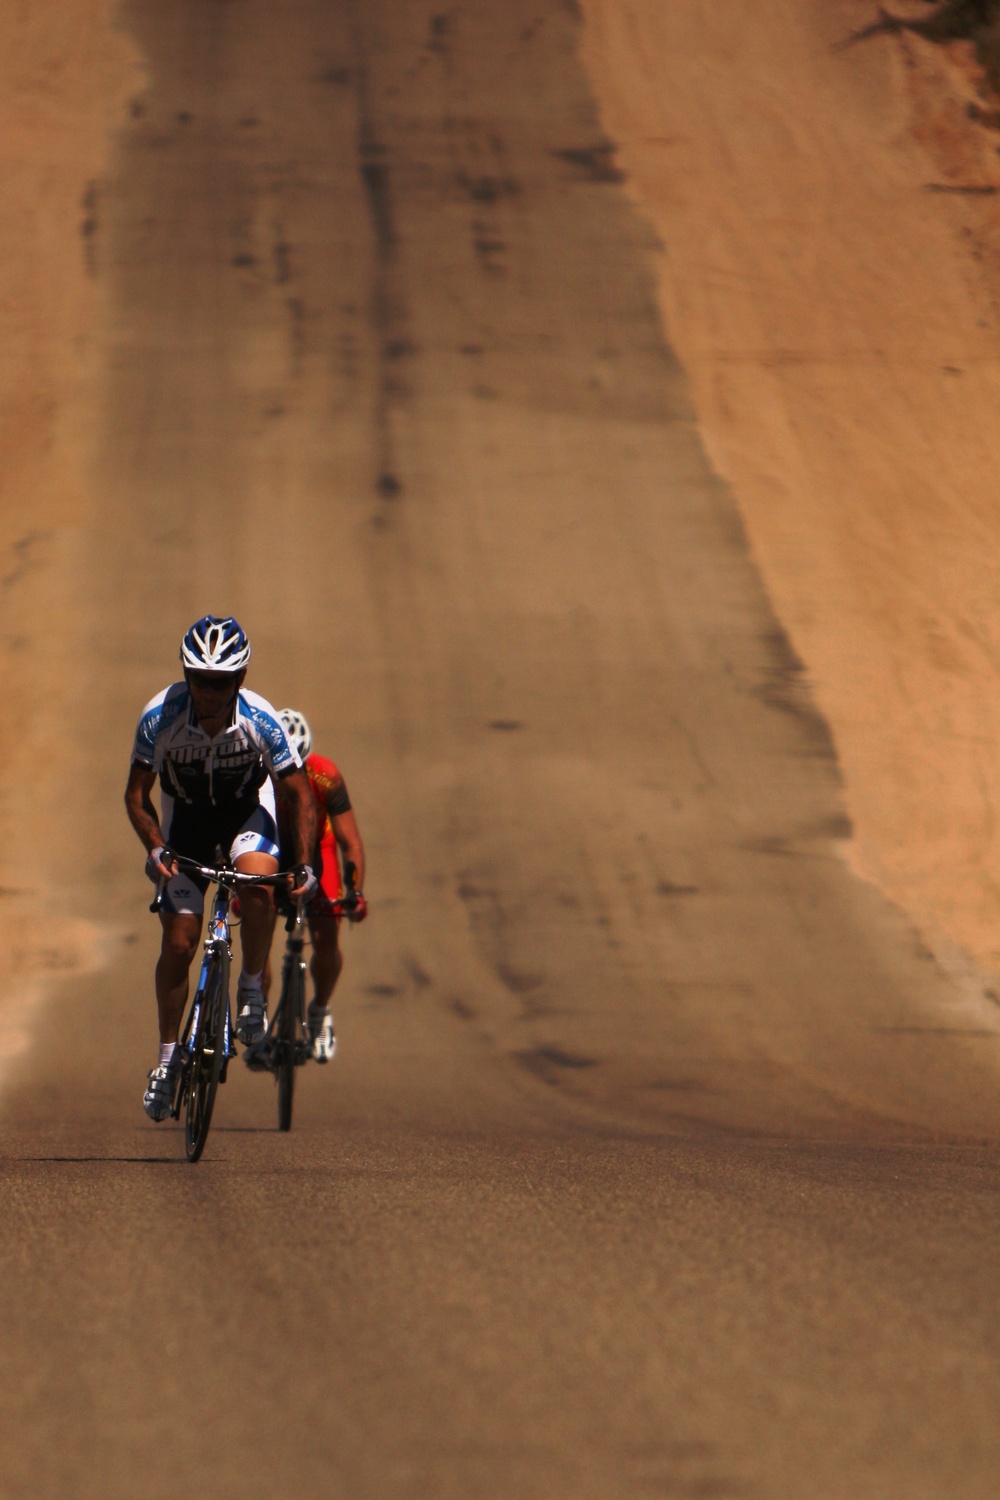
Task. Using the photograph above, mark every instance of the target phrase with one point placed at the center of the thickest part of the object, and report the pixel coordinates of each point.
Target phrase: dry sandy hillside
(833, 295)
(830, 259)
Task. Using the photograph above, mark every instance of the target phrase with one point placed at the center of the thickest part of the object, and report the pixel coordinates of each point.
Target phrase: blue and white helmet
(215, 645)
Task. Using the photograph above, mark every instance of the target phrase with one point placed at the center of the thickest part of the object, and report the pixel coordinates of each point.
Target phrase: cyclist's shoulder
(255, 709)
(167, 706)
(261, 719)
(321, 768)
(158, 718)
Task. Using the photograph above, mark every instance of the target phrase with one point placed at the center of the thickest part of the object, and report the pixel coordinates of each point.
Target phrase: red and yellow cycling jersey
(330, 794)
(326, 782)
(329, 791)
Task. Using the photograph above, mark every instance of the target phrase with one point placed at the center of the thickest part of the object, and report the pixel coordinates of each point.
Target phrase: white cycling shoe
(158, 1100)
(322, 1037)
(251, 1015)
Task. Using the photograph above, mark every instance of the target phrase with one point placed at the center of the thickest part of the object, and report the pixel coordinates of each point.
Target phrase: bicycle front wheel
(291, 1013)
(208, 1056)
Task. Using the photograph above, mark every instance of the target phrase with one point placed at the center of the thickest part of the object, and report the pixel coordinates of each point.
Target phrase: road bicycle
(206, 1039)
(287, 1044)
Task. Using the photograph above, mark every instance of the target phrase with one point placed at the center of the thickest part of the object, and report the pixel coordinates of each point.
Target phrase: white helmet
(298, 731)
(215, 644)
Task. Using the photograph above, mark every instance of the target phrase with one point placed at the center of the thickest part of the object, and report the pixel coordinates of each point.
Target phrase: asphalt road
(659, 1156)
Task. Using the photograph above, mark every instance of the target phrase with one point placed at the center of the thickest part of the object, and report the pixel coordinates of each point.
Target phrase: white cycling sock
(251, 981)
(167, 1050)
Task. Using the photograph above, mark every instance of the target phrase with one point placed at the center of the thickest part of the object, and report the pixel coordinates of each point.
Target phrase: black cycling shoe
(259, 1056)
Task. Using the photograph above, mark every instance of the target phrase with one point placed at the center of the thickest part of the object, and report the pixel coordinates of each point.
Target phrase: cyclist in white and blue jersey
(217, 751)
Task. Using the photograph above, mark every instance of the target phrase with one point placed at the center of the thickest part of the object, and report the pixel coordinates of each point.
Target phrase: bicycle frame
(217, 944)
(295, 943)
(286, 1046)
(289, 1044)
(206, 1040)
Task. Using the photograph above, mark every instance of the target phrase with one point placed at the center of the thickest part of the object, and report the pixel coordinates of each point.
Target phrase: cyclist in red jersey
(338, 846)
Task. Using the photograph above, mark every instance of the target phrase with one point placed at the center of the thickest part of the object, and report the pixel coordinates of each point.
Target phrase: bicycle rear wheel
(208, 1057)
(291, 1014)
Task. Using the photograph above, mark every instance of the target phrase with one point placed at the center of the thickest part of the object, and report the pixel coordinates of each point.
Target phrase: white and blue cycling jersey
(224, 771)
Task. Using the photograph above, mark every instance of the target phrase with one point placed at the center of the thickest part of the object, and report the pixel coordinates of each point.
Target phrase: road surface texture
(660, 1154)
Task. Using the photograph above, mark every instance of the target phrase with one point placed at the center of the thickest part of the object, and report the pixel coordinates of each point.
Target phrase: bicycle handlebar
(221, 875)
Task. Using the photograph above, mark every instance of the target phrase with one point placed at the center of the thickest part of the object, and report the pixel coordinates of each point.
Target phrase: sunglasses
(213, 682)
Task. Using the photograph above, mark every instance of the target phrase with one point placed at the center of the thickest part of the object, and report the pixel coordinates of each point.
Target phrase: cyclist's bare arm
(139, 806)
(301, 816)
(141, 812)
(345, 831)
(345, 828)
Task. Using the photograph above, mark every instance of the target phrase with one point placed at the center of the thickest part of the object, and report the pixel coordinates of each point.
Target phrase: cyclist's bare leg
(257, 911)
(327, 959)
(181, 931)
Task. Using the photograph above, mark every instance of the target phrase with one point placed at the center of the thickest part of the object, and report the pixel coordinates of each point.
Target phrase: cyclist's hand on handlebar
(356, 909)
(302, 882)
(160, 864)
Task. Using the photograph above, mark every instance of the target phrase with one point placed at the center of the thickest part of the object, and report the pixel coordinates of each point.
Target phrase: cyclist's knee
(180, 943)
(256, 903)
(325, 933)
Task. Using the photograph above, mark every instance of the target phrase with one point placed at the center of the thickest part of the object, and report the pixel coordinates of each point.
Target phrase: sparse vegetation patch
(975, 21)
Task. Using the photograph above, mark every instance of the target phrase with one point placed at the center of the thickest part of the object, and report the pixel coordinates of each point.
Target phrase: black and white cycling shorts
(199, 831)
